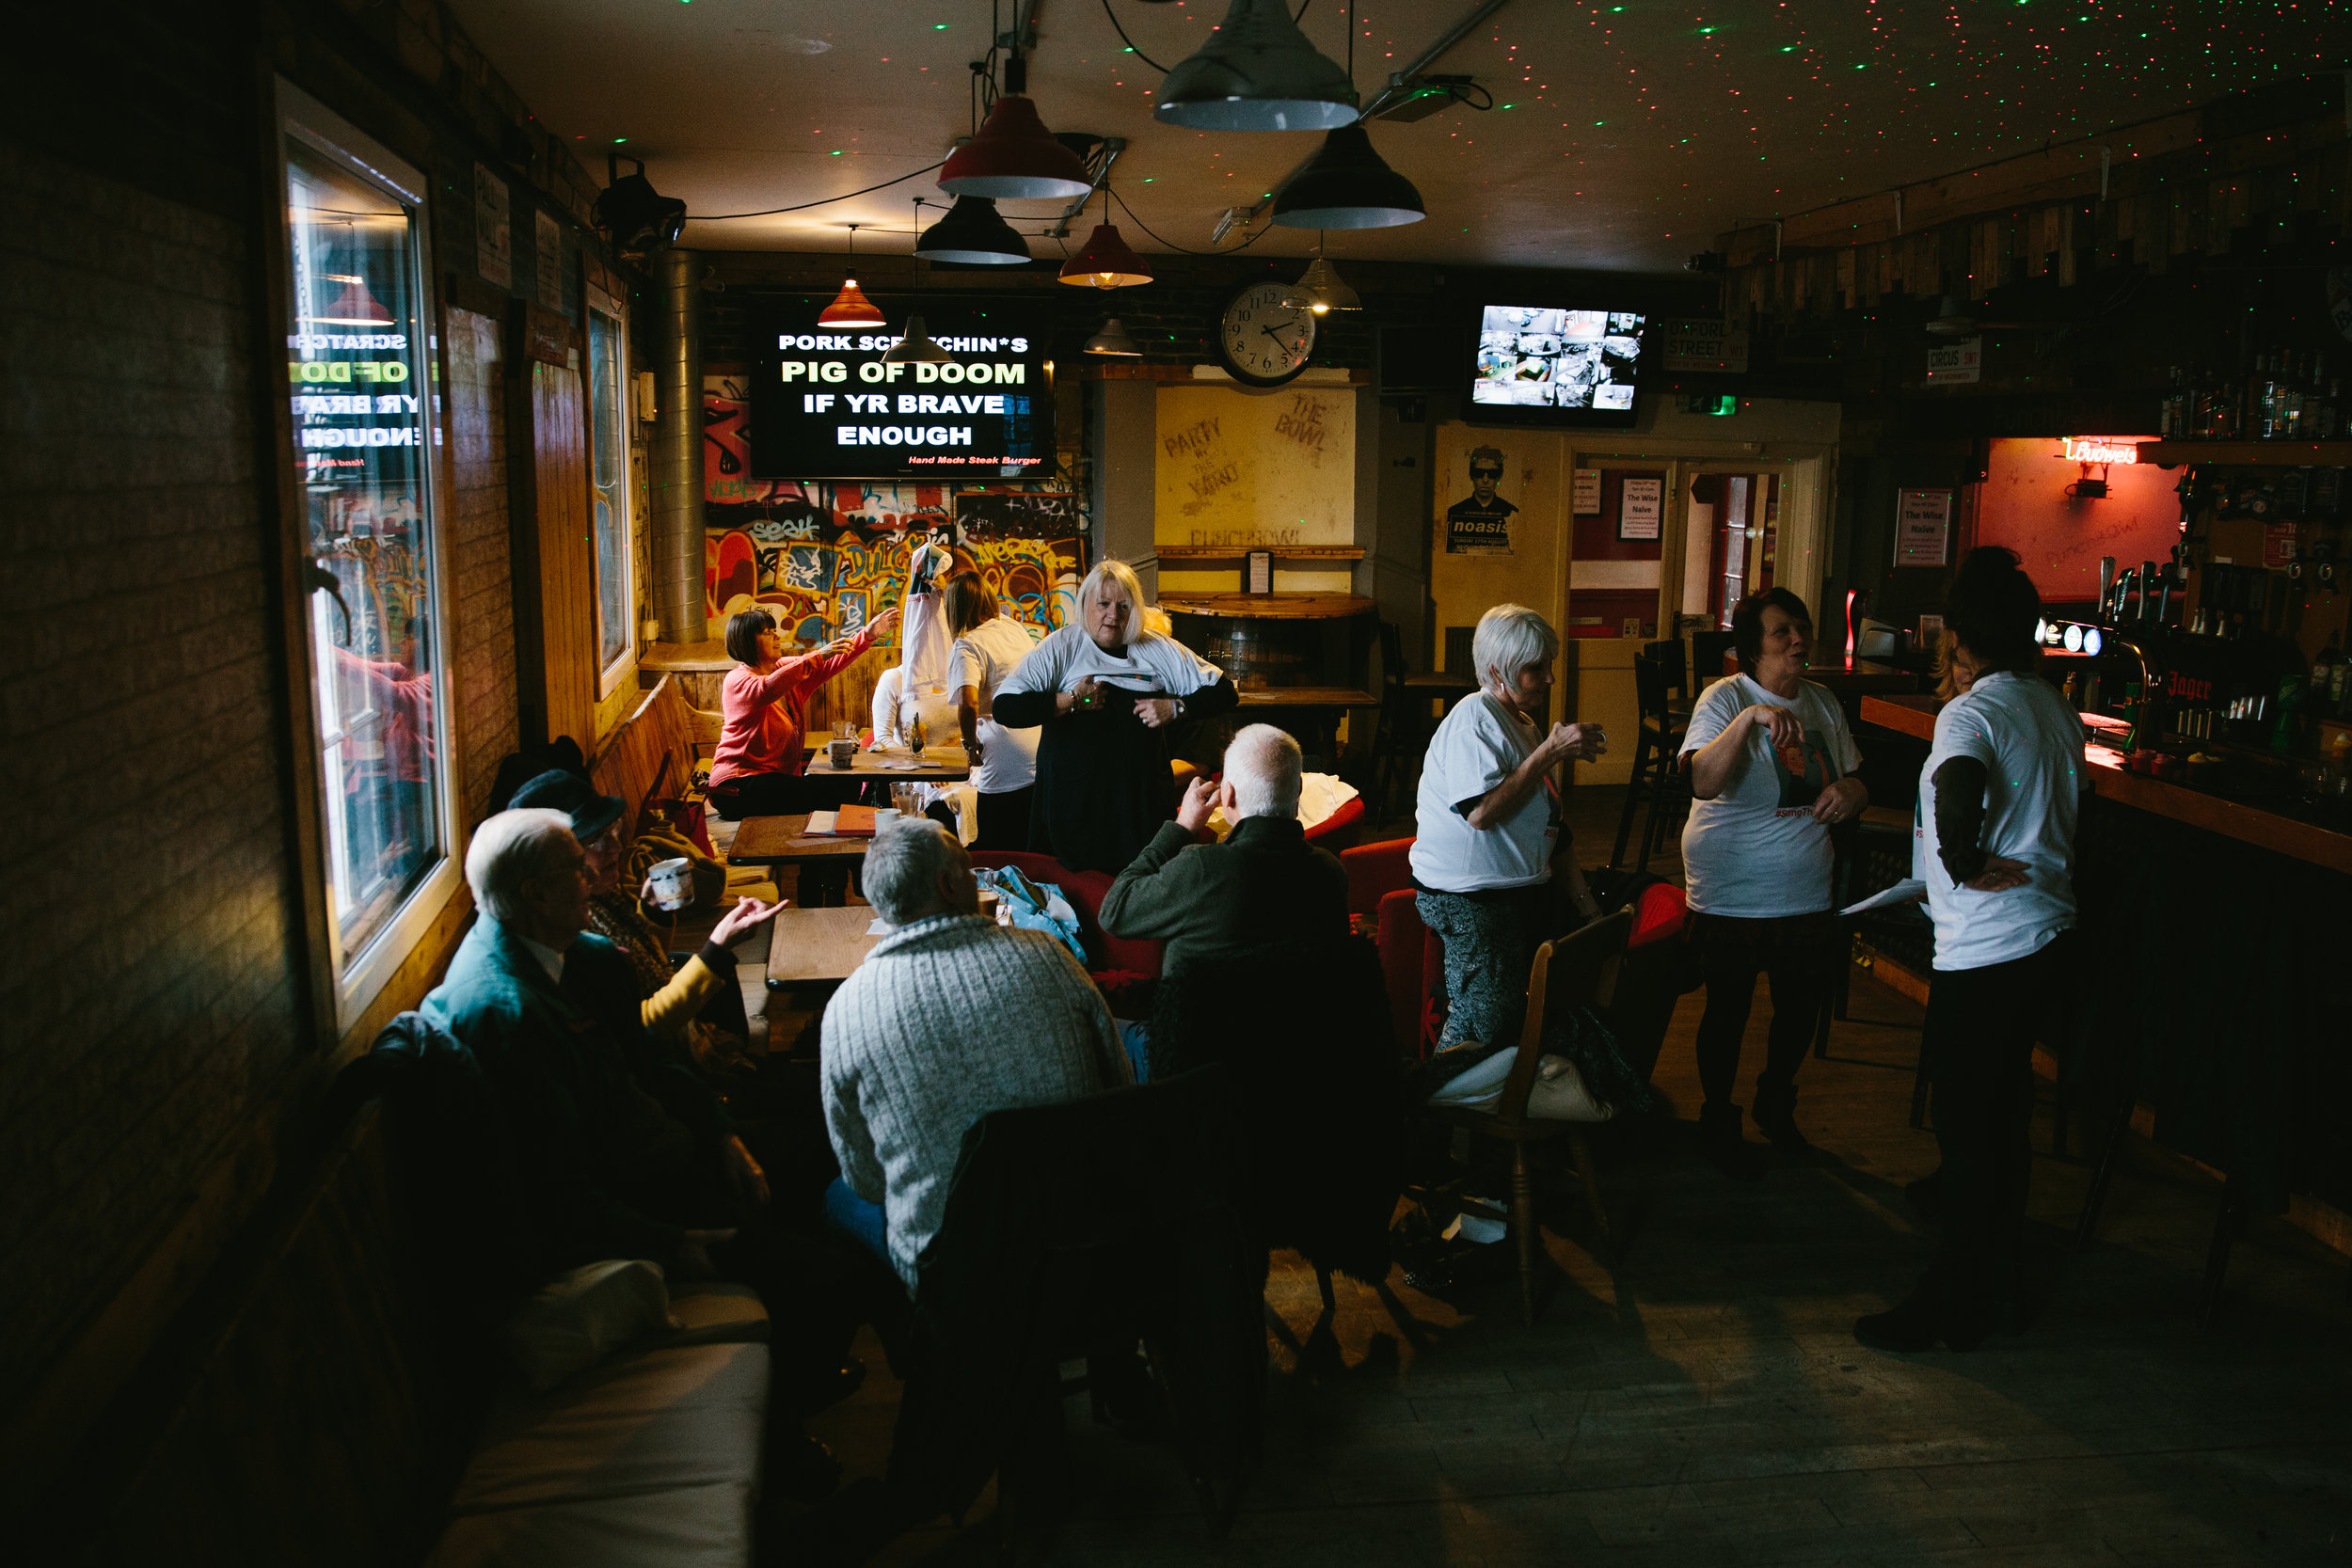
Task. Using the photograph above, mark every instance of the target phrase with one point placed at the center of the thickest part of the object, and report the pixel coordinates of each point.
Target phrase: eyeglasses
(1486, 473)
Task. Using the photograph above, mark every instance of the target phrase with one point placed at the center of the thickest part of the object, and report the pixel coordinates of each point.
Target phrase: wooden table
(818, 946)
(940, 762)
(786, 841)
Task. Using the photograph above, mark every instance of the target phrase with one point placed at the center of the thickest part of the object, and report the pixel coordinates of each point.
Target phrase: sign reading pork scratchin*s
(827, 403)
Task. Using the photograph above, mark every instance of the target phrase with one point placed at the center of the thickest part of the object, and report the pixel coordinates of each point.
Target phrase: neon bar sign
(2100, 449)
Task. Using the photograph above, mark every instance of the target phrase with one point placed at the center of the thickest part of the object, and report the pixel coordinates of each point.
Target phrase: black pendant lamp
(972, 234)
(1346, 185)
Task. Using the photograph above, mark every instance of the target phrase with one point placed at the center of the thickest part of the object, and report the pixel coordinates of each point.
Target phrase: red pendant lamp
(1014, 157)
(354, 306)
(851, 308)
(1106, 263)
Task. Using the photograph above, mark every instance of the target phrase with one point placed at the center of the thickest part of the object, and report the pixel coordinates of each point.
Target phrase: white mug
(884, 818)
(673, 883)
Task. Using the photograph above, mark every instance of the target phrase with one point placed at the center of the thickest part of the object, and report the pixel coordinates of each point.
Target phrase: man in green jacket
(1264, 887)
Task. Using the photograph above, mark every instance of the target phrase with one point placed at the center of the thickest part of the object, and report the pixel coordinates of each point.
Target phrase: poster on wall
(493, 241)
(1923, 528)
(1585, 494)
(826, 401)
(1641, 508)
(824, 556)
(1480, 522)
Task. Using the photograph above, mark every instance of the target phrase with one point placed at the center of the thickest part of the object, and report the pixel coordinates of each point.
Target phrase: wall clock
(1262, 340)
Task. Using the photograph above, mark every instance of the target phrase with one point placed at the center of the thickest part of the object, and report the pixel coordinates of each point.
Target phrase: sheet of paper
(1905, 892)
(821, 822)
(880, 927)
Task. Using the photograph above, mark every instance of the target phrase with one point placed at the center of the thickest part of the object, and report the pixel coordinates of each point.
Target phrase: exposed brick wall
(481, 563)
(146, 944)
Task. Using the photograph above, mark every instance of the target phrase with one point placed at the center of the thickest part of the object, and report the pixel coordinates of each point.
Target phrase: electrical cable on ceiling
(1155, 65)
(721, 217)
(1171, 244)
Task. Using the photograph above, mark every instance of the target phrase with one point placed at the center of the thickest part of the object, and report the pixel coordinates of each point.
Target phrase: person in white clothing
(988, 647)
(1999, 799)
(1771, 764)
(916, 685)
(1496, 875)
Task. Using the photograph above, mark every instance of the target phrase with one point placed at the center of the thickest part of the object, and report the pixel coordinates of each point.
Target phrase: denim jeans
(848, 1215)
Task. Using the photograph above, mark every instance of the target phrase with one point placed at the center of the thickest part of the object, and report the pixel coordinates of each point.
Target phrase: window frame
(358, 978)
(596, 301)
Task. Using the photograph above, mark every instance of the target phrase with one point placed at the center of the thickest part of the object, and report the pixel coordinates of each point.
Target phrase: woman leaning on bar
(1770, 762)
(1488, 842)
(1104, 691)
(764, 700)
(1999, 799)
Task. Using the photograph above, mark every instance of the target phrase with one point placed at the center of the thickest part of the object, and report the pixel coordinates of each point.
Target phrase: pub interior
(935, 782)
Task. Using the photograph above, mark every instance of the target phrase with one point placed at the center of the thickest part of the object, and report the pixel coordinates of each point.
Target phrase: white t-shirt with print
(1068, 658)
(2031, 745)
(985, 657)
(1477, 746)
(1755, 851)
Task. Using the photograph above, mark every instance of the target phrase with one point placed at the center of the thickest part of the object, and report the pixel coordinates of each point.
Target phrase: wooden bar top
(2111, 779)
(1308, 696)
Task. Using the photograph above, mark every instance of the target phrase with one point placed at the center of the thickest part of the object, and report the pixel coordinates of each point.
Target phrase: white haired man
(951, 1017)
(1265, 886)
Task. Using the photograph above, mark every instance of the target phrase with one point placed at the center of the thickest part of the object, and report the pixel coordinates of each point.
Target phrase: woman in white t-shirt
(988, 647)
(1770, 762)
(1489, 839)
(1998, 800)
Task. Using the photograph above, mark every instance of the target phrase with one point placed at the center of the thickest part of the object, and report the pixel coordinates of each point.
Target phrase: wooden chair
(1579, 970)
(1655, 776)
(1707, 658)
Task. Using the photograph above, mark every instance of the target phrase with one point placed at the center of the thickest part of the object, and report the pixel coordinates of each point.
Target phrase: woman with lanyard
(1770, 762)
(1489, 841)
(1103, 692)
(1999, 799)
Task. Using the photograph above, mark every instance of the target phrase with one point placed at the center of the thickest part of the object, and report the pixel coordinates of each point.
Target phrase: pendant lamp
(972, 234)
(1014, 155)
(1106, 263)
(916, 347)
(1345, 185)
(1257, 72)
(1326, 292)
(849, 307)
(1113, 339)
(354, 306)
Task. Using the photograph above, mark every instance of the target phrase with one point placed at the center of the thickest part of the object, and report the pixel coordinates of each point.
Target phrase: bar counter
(2215, 937)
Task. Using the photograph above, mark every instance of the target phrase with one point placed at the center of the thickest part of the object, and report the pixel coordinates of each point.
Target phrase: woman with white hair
(1488, 840)
(1103, 692)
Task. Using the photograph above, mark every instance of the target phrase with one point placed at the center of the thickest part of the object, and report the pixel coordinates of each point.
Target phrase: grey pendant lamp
(1346, 185)
(914, 346)
(1257, 72)
(1113, 339)
(1326, 290)
(972, 234)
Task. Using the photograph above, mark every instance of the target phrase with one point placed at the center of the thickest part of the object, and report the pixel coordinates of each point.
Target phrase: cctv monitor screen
(1541, 363)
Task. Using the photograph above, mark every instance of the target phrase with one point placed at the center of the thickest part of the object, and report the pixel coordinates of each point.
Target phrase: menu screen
(1542, 358)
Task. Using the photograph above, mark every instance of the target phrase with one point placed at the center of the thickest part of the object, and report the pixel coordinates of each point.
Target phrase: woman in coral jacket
(765, 702)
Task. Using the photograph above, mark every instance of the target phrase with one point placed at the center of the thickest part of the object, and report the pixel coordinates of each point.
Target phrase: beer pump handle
(2106, 585)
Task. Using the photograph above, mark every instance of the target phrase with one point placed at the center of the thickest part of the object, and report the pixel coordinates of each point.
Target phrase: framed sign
(1584, 492)
(827, 405)
(1641, 508)
(1923, 528)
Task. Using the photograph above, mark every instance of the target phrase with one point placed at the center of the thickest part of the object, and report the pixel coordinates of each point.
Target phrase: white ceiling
(1635, 135)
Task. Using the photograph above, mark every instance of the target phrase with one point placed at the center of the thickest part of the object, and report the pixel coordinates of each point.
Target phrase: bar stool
(1655, 745)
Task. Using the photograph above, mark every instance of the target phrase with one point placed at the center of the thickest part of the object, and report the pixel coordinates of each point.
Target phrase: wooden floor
(1705, 1402)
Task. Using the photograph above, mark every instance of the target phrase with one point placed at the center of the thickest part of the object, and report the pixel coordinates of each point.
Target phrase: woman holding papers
(1770, 762)
(1104, 693)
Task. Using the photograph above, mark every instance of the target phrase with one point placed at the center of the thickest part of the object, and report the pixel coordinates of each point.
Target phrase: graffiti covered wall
(824, 556)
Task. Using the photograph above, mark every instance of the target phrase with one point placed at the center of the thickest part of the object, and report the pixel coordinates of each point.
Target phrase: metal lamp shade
(1106, 263)
(973, 234)
(916, 347)
(1014, 157)
(1113, 339)
(1257, 73)
(1346, 185)
(1322, 281)
(849, 307)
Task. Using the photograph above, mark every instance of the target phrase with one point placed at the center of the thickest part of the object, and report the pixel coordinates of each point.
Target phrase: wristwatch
(1180, 708)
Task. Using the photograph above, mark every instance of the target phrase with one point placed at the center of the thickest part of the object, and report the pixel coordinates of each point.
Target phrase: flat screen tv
(1544, 364)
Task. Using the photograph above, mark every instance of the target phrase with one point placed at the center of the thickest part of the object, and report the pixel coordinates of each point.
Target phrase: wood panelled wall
(554, 558)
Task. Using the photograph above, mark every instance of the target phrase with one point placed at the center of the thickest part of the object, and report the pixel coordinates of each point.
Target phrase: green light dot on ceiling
(835, 154)
(1704, 31)
(939, 26)
(618, 140)
(1601, 122)
(1506, 106)
(1787, 48)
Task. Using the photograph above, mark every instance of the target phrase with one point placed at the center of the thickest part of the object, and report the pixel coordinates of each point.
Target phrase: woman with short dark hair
(1998, 799)
(1770, 762)
(764, 701)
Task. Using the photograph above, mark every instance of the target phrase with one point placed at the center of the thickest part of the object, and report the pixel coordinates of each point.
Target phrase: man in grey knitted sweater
(951, 1017)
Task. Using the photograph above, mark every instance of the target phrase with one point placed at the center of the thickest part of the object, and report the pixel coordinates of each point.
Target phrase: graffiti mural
(826, 556)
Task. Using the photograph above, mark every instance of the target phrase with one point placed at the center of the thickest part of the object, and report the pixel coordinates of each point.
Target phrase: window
(607, 487)
(360, 370)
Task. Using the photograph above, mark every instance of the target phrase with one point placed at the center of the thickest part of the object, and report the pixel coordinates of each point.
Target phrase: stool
(1655, 745)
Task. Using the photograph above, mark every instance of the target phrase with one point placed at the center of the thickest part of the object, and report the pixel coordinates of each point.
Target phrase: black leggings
(1795, 953)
